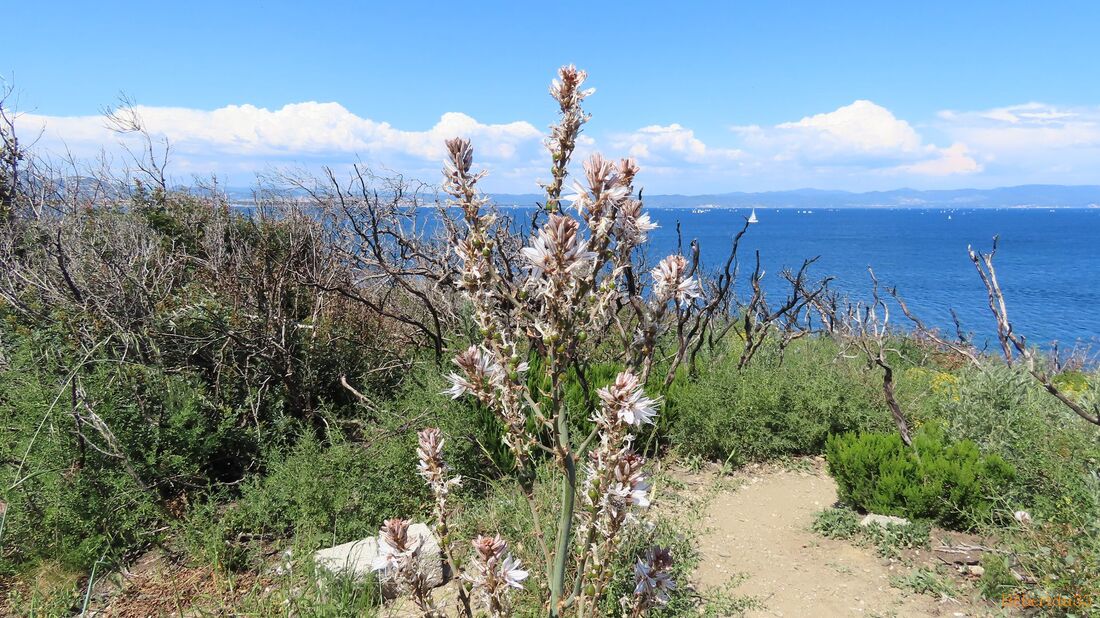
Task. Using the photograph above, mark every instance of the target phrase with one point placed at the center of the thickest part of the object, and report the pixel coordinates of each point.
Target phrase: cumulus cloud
(858, 146)
(862, 136)
(668, 144)
(236, 133)
(1030, 142)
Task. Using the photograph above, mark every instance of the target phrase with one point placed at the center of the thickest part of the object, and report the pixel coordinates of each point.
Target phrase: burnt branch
(1013, 345)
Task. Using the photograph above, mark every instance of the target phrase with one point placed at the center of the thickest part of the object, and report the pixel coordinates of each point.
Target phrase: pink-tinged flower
(631, 224)
(653, 582)
(629, 485)
(669, 281)
(604, 180)
(489, 547)
(566, 89)
(495, 570)
(480, 373)
(431, 466)
(626, 401)
(461, 153)
(395, 549)
(558, 248)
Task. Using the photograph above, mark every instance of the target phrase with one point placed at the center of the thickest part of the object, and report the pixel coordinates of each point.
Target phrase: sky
(708, 97)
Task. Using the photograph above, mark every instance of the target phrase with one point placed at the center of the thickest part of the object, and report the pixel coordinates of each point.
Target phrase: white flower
(636, 494)
(627, 401)
(511, 572)
(669, 281)
(459, 386)
(558, 248)
(481, 373)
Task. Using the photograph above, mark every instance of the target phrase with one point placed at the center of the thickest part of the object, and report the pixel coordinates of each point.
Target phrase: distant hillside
(1024, 196)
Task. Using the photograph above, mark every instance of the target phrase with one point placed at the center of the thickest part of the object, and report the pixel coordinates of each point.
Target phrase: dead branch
(1011, 342)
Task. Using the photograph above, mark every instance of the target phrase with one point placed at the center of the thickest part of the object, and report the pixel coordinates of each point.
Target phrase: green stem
(565, 529)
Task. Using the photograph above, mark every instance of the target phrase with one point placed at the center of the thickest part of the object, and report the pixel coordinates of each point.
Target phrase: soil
(757, 541)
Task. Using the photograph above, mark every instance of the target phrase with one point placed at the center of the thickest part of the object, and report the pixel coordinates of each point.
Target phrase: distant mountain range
(1024, 196)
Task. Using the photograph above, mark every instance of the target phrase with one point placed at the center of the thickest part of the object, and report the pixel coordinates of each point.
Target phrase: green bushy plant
(1055, 455)
(925, 580)
(331, 489)
(836, 523)
(771, 409)
(951, 483)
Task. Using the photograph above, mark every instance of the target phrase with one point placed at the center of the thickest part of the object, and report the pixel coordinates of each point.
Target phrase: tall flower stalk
(576, 277)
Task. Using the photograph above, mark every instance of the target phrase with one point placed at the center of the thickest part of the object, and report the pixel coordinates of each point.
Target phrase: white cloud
(862, 137)
(858, 146)
(238, 133)
(860, 127)
(1031, 142)
(668, 144)
(954, 159)
(1025, 127)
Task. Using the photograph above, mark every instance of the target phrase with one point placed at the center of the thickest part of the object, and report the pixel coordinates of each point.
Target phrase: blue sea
(1048, 261)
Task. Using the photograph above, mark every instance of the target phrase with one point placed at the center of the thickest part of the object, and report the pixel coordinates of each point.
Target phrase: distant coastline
(1024, 196)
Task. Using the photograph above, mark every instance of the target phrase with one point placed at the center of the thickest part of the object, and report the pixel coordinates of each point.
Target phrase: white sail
(752, 217)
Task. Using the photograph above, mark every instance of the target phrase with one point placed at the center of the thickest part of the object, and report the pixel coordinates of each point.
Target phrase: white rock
(354, 559)
(883, 520)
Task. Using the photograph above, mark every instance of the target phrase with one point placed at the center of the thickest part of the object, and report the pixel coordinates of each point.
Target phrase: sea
(1048, 260)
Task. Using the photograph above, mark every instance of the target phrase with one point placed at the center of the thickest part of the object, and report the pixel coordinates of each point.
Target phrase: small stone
(883, 520)
(962, 554)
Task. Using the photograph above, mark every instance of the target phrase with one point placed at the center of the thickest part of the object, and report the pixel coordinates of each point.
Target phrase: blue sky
(709, 97)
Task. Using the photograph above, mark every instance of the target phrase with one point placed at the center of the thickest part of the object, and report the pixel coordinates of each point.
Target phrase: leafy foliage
(952, 484)
(771, 409)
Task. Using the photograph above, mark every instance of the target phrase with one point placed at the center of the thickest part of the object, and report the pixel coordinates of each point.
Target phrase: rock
(356, 558)
(974, 570)
(959, 554)
(883, 520)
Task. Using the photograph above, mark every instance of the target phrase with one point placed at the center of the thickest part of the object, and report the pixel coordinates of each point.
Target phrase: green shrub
(929, 581)
(838, 523)
(772, 409)
(332, 490)
(1055, 454)
(952, 484)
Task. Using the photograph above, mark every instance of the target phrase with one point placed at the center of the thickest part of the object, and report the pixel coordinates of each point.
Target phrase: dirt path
(759, 534)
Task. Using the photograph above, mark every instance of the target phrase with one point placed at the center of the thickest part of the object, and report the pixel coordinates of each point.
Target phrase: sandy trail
(760, 533)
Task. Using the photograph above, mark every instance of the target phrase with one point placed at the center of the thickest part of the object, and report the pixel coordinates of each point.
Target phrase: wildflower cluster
(493, 372)
(398, 560)
(671, 283)
(433, 469)
(494, 572)
(616, 485)
(567, 91)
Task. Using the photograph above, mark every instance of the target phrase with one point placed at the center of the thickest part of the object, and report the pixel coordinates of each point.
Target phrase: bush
(771, 409)
(952, 484)
(1055, 454)
(332, 490)
(838, 523)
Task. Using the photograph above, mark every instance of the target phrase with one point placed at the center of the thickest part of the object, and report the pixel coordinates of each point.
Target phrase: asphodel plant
(573, 282)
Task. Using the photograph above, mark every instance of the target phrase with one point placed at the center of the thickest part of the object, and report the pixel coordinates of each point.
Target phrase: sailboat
(752, 217)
